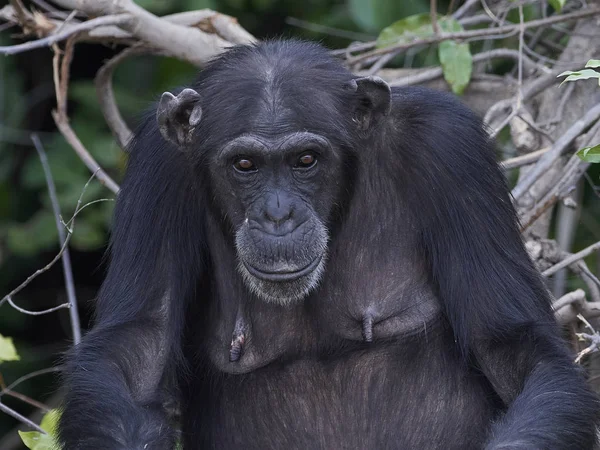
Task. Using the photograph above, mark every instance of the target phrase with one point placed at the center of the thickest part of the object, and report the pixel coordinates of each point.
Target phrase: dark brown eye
(306, 160)
(244, 165)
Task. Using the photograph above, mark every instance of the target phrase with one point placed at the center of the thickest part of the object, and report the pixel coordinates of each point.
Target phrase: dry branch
(558, 148)
(504, 31)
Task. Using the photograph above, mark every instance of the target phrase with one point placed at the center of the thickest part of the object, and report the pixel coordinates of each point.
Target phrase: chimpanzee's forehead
(275, 90)
(277, 106)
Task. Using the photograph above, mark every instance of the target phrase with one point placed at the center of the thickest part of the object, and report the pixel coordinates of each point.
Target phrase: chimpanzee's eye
(306, 160)
(244, 165)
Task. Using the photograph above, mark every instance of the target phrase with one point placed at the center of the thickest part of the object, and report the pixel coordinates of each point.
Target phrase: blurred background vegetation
(28, 236)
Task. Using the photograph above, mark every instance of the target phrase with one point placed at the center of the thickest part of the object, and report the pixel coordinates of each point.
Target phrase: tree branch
(506, 30)
(557, 149)
(61, 36)
(66, 257)
(571, 259)
(11, 412)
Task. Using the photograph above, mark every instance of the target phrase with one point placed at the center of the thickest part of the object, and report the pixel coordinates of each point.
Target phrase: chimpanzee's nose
(278, 208)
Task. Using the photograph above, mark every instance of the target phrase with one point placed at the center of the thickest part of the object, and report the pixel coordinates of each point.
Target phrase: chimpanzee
(303, 258)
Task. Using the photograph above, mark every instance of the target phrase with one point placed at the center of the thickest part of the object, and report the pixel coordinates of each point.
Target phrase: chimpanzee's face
(278, 192)
(279, 144)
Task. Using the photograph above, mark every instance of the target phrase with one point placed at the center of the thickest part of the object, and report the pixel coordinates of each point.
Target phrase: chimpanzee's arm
(115, 378)
(494, 298)
(548, 403)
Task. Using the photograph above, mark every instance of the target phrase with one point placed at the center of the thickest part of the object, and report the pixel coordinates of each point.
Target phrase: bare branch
(465, 8)
(572, 172)
(568, 299)
(523, 160)
(506, 30)
(571, 259)
(66, 257)
(25, 399)
(61, 36)
(30, 278)
(62, 121)
(11, 412)
(106, 96)
(558, 148)
(36, 313)
(30, 375)
(431, 74)
(186, 43)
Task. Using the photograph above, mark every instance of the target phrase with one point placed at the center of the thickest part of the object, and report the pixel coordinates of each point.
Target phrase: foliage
(455, 58)
(583, 74)
(375, 14)
(557, 4)
(8, 352)
(38, 441)
(589, 154)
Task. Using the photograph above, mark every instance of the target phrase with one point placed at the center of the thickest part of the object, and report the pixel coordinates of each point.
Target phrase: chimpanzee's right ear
(178, 116)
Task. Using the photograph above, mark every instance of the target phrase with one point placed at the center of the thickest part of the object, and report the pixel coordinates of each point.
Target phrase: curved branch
(106, 96)
(120, 19)
(183, 42)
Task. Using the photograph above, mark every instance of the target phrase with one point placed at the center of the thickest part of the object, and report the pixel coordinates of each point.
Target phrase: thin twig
(62, 122)
(558, 148)
(30, 401)
(433, 15)
(30, 375)
(523, 160)
(573, 258)
(118, 19)
(11, 412)
(30, 278)
(318, 28)
(465, 8)
(437, 72)
(66, 258)
(37, 313)
(487, 33)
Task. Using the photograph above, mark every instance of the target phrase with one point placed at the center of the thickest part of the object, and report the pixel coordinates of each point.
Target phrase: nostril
(278, 216)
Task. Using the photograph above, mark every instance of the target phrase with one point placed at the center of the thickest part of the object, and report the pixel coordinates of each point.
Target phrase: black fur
(430, 327)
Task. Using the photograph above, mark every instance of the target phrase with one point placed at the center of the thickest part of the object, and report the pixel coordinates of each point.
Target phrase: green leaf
(583, 74)
(455, 58)
(8, 352)
(37, 441)
(557, 4)
(373, 15)
(457, 64)
(405, 30)
(590, 154)
(593, 63)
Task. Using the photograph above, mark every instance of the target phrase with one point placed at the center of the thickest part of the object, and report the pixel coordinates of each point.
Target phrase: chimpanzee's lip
(283, 275)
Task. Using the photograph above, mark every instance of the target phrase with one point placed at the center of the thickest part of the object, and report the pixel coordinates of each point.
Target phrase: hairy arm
(495, 299)
(115, 379)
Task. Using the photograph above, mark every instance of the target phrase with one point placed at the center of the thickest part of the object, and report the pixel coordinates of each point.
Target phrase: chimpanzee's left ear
(177, 116)
(375, 101)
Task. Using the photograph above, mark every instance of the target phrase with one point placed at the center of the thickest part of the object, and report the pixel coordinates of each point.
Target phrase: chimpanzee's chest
(387, 395)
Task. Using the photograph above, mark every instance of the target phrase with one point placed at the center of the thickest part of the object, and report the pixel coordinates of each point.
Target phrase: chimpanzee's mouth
(283, 275)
